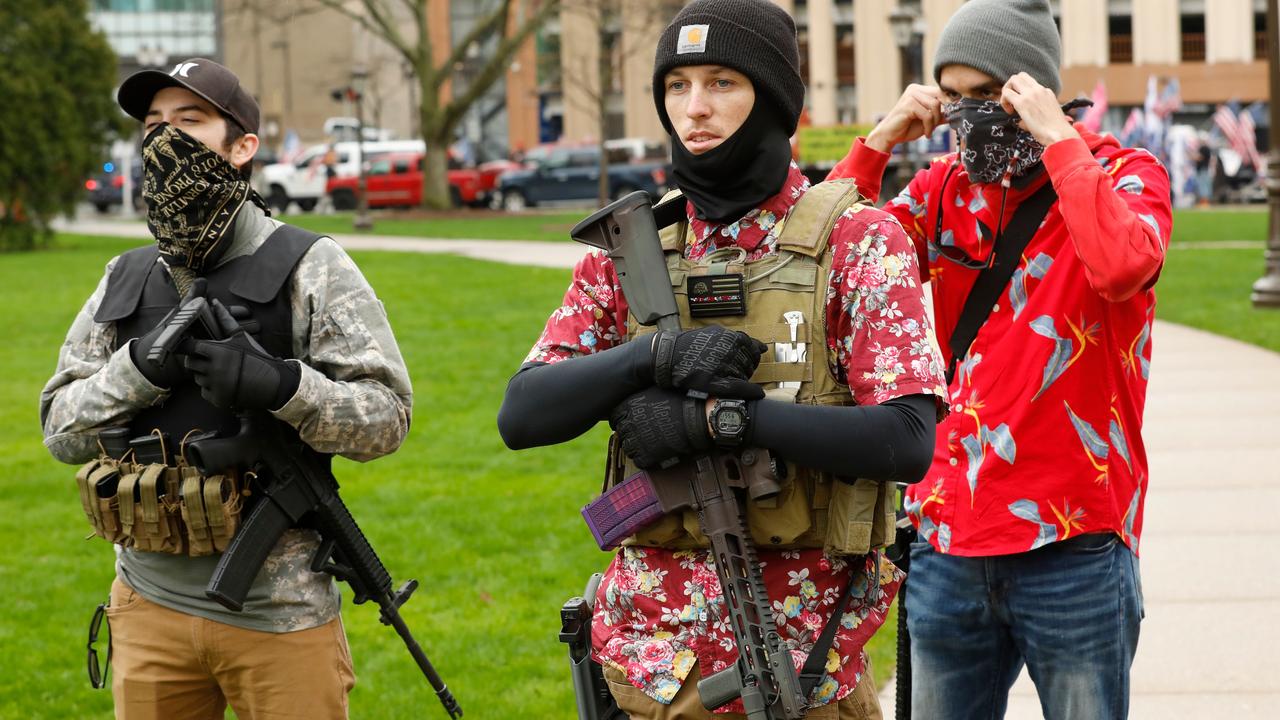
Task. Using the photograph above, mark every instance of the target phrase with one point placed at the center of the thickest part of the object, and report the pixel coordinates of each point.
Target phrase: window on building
(846, 68)
(1120, 37)
(1260, 35)
(1192, 37)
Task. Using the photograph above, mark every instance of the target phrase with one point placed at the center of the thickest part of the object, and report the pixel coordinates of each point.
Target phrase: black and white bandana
(991, 138)
(193, 196)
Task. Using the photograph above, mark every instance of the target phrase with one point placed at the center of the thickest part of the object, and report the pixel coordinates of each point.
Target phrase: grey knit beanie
(755, 37)
(1002, 38)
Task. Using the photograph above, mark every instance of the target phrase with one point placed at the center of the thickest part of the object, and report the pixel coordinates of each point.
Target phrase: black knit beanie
(1002, 38)
(755, 37)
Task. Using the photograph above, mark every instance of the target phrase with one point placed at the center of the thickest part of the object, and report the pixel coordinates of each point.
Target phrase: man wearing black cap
(846, 395)
(312, 348)
(1031, 514)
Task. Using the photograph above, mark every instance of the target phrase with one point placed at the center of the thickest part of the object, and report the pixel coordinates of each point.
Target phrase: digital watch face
(729, 421)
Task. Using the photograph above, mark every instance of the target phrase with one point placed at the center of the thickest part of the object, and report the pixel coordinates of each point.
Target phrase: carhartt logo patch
(693, 39)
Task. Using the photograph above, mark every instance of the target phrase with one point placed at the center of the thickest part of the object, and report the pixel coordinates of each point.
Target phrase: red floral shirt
(658, 610)
(1045, 439)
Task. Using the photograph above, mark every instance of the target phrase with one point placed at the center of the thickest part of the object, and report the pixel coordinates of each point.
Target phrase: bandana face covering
(991, 138)
(740, 173)
(193, 197)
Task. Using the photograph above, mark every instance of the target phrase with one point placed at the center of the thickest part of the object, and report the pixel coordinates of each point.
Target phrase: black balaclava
(193, 196)
(747, 168)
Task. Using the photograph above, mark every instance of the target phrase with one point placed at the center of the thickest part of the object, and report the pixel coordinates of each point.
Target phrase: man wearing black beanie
(846, 395)
(1031, 514)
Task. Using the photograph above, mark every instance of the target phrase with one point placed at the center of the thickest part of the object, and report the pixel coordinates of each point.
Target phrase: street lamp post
(362, 219)
(1266, 291)
(904, 24)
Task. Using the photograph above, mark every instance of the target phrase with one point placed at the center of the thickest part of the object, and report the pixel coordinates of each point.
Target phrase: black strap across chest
(992, 281)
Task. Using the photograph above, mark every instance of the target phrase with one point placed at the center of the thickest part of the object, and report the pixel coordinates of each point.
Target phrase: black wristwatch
(729, 419)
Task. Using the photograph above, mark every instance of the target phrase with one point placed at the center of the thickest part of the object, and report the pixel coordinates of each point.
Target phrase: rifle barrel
(391, 617)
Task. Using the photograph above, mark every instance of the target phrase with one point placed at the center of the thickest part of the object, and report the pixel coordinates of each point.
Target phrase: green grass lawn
(482, 224)
(493, 536)
(1245, 222)
(1208, 288)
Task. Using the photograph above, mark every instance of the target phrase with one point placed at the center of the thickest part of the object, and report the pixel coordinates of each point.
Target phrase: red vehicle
(395, 180)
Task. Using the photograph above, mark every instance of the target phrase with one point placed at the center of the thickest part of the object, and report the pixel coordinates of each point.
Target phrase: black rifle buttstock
(628, 233)
(243, 558)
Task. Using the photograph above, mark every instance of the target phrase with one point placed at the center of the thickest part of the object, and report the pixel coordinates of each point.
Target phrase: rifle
(764, 676)
(300, 487)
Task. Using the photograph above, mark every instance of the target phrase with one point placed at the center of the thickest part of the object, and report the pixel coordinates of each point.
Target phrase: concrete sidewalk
(1210, 551)
(513, 252)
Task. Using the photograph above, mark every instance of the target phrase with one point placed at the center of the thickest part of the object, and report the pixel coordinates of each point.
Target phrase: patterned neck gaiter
(991, 138)
(193, 197)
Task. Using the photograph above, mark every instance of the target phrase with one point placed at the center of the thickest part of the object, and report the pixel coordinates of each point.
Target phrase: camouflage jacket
(354, 399)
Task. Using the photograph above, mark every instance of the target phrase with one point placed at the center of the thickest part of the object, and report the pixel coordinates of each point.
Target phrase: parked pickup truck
(570, 174)
(304, 180)
(395, 180)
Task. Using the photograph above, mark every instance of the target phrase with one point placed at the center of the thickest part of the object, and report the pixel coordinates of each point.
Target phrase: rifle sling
(993, 280)
(813, 670)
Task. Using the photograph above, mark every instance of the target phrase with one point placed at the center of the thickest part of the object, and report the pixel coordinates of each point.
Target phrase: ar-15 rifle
(300, 486)
(764, 676)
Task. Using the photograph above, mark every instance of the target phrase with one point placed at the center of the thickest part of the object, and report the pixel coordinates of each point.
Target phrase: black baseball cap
(202, 76)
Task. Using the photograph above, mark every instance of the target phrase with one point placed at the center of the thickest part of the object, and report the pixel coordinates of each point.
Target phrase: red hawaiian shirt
(658, 610)
(1044, 442)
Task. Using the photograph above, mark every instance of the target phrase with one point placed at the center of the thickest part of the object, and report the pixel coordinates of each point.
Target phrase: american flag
(1170, 99)
(1249, 136)
(1229, 123)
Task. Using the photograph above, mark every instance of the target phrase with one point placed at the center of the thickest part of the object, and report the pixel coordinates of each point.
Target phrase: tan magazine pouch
(157, 508)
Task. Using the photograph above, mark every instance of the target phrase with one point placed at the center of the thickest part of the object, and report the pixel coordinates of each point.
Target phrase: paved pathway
(1211, 549)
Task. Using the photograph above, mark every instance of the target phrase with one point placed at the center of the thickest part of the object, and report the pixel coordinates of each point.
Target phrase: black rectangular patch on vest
(717, 295)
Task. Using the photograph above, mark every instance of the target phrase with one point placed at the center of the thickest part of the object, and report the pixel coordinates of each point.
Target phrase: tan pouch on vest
(198, 540)
(783, 518)
(852, 517)
(155, 515)
(103, 513)
(222, 504)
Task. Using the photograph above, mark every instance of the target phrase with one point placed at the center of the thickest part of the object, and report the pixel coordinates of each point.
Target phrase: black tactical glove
(170, 372)
(659, 427)
(163, 375)
(711, 359)
(237, 373)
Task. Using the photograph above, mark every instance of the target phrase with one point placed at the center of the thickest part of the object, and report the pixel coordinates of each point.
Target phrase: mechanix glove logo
(193, 196)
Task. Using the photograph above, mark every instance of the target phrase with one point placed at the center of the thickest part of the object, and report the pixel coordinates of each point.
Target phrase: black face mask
(740, 173)
(991, 140)
(193, 197)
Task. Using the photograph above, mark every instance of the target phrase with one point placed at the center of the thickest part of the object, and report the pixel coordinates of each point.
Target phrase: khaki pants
(170, 665)
(861, 704)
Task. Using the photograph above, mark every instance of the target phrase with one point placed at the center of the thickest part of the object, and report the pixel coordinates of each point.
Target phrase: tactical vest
(140, 293)
(814, 509)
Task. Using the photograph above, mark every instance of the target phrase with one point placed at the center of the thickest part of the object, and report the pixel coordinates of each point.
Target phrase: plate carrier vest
(845, 516)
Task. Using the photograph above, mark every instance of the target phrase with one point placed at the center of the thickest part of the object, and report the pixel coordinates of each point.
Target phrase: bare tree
(403, 26)
(623, 30)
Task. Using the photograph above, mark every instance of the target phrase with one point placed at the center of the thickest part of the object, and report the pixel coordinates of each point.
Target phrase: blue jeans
(1069, 610)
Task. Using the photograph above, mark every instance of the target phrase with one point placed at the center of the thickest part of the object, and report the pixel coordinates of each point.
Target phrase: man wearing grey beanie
(1042, 243)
